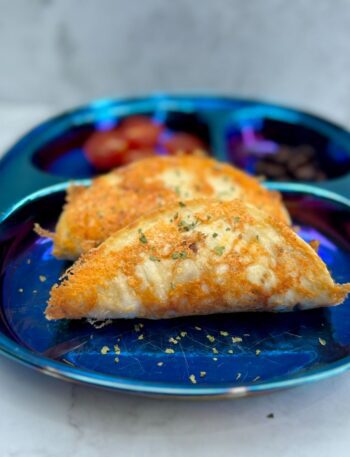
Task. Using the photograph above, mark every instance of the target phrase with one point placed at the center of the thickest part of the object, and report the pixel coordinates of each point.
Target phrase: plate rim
(26, 145)
(19, 353)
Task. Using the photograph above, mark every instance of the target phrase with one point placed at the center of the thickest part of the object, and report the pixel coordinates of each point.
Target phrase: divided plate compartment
(228, 355)
(53, 151)
(276, 351)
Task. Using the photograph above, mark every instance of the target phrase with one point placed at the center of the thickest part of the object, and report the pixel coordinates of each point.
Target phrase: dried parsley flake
(322, 342)
(143, 238)
(219, 250)
(192, 378)
(104, 350)
(236, 339)
(179, 255)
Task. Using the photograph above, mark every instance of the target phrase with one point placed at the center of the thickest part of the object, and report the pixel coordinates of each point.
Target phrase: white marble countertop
(44, 417)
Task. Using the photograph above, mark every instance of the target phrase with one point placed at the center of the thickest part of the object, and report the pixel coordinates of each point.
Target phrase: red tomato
(141, 131)
(106, 149)
(110, 149)
(184, 143)
(135, 138)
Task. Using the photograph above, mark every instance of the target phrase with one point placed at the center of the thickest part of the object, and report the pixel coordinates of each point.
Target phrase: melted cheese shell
(120, 197)
(202, 258)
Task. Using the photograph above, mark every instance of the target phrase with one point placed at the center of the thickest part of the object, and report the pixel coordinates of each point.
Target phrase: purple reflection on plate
(283, 151)
(289, 343)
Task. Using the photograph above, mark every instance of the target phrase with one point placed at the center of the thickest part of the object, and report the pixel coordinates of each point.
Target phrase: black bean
(296, 160)
(306, 173)
(282, 155)
(274, 169)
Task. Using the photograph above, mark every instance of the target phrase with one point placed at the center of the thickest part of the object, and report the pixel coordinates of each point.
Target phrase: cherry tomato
(110, 149)
(141, 131)
(135, 138)
(183, 143)
(106, 149)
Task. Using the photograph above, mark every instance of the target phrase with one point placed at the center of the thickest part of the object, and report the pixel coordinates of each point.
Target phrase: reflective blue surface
(53, 151)
(256, 134)
(268, 351)
(276, 351)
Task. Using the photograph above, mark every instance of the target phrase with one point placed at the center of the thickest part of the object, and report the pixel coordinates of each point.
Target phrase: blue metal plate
(53, 151)
(232, 354)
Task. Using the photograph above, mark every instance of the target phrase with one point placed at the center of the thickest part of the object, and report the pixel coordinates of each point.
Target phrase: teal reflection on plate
(230, 354)
(243, 132)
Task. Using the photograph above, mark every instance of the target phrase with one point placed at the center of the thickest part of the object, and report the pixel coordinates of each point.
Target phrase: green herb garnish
(182, 204)
(179, 255)
(143, 238)
(215, 235)
(186, 226)
(219, 250)
(154, 258)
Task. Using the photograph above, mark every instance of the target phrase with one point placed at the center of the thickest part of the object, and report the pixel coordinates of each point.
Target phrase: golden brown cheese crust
(120, 197)
(202, 258)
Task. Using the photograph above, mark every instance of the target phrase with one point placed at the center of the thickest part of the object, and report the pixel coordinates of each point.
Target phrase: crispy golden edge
(91, 214)
(76, 296)
(43, 232)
